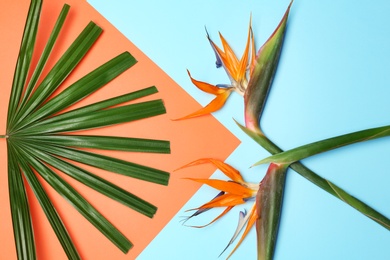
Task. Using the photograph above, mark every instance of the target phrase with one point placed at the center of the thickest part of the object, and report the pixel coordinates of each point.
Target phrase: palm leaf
(83, 87)
(105, 143)
(101, 118)
(38, 144)
(46, 53)
(60, 71)
(49, 209)
(24, 58)
(21, 219)
(79, 203)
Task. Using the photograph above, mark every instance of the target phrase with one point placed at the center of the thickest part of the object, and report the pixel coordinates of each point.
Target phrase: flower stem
(321, 182)
(307, 150)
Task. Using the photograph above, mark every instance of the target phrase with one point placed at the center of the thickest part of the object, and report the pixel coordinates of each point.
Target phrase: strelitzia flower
(261, 70)
(233, 192)
(237, 70)
(265, 211)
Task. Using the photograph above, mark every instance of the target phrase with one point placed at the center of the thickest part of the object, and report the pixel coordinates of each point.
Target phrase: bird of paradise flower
(237, 191)
(237, 71)
(260, 68)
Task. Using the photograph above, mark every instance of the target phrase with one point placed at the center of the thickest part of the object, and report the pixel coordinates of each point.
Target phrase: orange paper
(190, 140)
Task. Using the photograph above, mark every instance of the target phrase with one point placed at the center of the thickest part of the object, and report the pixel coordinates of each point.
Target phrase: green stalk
(324, 184)
(311, 149)
(270, 195)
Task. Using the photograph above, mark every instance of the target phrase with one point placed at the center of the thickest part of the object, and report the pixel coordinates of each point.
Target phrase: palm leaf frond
(60, 71)
(49, 209)
(20, 210)
(79, 203)
(24, 58)
(46, 53)
(38, 143)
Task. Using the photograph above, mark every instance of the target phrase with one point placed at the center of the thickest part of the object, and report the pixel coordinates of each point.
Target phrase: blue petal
(242, 220)
(224, 86)
(218, 62)
(200, 211)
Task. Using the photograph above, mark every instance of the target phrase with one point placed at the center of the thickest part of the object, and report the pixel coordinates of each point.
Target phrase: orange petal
(218, 217)
(227, 186)
(226, 200)
(219, 52)
(252, 218)
(206, 87)
(243, 65)
(253, 53)
(228, 170)
(231, 61)
(213, 106)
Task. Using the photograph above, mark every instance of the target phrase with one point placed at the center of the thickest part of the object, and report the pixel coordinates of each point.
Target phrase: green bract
(38, 144)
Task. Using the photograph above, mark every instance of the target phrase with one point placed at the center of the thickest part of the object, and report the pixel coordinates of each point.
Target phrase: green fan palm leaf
(38, 143)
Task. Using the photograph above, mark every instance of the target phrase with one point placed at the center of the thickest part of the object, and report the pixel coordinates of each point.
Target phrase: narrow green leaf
(307, 150)
(80, 204)
(61, 70)
(49, 209)
(24, 59)
(83, 87)
(344, 196)
(101, 118)
(95, 182)
(20, 211)
(105, 143)
(108, 163)
(46, 53)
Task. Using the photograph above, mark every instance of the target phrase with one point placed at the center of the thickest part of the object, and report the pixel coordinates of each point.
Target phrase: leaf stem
(321, 182)
(307, 150)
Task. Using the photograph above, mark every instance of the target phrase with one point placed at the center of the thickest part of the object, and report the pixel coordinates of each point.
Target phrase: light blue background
(333, 78)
